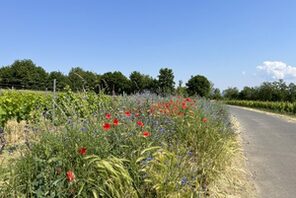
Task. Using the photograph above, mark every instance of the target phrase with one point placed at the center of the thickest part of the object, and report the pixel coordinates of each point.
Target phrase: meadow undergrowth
(122, 146)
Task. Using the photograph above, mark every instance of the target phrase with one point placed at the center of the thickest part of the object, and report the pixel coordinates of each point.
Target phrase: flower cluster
(164, 109)
(173, 107)
(107, 126)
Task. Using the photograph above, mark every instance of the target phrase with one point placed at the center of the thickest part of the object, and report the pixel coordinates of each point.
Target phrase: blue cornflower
(184, 181)
(149, 159)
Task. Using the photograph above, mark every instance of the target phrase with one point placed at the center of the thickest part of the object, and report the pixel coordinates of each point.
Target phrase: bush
(19, 105)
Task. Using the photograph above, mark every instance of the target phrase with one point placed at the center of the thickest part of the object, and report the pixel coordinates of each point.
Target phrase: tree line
(24, 74)
(267, 91)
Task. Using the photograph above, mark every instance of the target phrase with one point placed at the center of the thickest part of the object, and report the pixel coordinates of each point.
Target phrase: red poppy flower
(204, 120)
(188, 100)
(108, 115)
(70, 176)
(137, 115)
(146, 134)
(82, 150)
(128, 114)
(184, 105)
(115, 122)
(140, 123)
(106, 126)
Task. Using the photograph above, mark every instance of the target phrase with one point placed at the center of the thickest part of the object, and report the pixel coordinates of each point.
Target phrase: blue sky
(224, 40)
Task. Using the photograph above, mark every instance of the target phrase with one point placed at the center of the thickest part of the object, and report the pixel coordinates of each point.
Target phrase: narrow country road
(270, 148)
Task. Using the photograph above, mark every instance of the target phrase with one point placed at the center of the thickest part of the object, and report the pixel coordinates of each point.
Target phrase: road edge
(278, 115)
(237, 181)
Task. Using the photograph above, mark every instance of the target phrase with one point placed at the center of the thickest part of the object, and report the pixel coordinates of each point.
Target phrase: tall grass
(130, 146)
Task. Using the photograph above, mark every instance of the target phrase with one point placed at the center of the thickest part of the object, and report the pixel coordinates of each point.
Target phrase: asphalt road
(270, 148)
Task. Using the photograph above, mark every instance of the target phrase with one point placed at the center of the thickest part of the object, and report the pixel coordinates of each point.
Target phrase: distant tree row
(24, 74)
(267, 91)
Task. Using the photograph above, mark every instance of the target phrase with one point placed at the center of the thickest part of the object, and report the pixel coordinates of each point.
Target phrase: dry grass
(14, 132)
(15, 137)
(237, 180)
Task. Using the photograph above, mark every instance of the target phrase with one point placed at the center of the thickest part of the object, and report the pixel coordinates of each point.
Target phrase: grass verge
(237, 180)
(139, 146)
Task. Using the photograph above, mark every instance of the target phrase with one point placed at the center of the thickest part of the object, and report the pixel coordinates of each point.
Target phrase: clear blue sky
(225, 40)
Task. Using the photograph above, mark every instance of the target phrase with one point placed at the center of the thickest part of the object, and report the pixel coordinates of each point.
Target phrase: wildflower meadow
(89, 145)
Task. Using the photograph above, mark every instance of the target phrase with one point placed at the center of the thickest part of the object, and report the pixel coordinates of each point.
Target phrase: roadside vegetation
(277, 107)
(275, 96)
(108, 135)
(94, 145)
(277, 91)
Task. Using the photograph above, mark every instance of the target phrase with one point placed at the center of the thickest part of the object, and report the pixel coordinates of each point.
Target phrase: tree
(153, 85)
(231, 93)
(26, 75)
(77, 82)
(139, 82)
(62, 80)
(198, 85)
(216, 94)
(280, 91)
(6, 77)
(248, 93)
(80, 79)
(270, 91)
(166, 81)
(92, 80)
(115, 83)
(265, 91)
(292, 92)
(181, 91)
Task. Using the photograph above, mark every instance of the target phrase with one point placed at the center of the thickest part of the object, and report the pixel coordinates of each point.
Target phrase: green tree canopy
(292, 92)
(198, 85)
(62, 80)
(231, 93)
(166, 81)
(216, 94)
(6, 77)
(24, 74)
(248, 93)
(181, 91)
(140, 82)
(80, 79)
(115, 83)
(77, 82)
